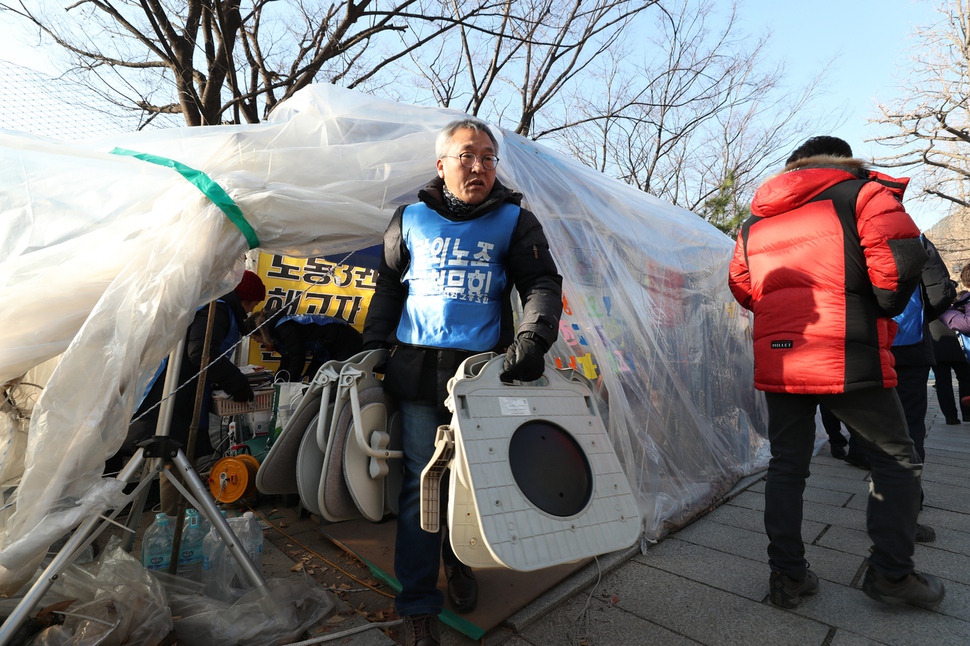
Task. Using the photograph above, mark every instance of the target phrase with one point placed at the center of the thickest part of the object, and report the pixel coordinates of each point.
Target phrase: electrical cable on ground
(330, 563)
(579, 630)
(352, 631)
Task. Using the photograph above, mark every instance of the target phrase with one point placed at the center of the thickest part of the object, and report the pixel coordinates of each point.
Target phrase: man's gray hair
(470, 123)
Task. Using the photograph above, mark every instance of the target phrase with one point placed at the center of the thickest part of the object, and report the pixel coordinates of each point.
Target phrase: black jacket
(530, 268)
(223, 374)
(939, 290)
(946, 346)
(292, 339)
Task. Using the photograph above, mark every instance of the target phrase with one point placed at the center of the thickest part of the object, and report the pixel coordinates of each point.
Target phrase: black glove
(524, 358)
(243, 394)
(375, 345)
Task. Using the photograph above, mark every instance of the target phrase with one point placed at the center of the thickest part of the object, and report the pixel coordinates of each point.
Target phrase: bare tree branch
(927, 129)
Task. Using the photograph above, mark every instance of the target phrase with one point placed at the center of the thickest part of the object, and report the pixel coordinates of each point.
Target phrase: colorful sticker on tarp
(340, 286)
(605, 326)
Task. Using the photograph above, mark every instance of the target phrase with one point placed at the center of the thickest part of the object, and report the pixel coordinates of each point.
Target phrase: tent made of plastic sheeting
(107, 255)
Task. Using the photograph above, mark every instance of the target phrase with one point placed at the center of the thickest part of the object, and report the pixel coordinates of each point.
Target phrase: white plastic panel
(518, 534)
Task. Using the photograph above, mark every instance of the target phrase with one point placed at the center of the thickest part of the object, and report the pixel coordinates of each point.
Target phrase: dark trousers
(833, 428)
(912, 394)
(877, 418)
(944, 372)
(418, 554)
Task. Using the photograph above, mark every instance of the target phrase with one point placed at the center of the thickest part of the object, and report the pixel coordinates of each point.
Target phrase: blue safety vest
(910, 320)
(456, 277)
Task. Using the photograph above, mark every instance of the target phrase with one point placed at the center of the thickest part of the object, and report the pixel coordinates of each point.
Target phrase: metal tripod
(160, 447)
(158, 450)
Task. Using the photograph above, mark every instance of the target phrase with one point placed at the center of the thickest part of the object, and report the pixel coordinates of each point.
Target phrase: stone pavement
(708, 582)
(705, 584)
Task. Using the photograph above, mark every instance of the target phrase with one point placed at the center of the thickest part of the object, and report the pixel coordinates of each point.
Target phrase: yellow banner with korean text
(339, 286)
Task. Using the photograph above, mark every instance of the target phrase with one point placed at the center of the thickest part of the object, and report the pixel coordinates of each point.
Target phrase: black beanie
(821, 145)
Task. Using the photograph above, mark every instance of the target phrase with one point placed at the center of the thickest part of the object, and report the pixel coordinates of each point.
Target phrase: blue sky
(867, 42)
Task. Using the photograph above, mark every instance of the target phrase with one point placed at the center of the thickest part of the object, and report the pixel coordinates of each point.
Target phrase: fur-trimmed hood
(857, 167)
(802, 180)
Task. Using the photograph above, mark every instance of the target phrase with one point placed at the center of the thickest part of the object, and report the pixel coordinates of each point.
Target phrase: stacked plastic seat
(340, 451)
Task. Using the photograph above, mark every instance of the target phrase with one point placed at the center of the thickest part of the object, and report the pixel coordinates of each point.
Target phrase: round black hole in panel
(550, 468)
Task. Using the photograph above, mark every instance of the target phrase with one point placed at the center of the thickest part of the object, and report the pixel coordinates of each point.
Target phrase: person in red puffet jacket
(827, 258)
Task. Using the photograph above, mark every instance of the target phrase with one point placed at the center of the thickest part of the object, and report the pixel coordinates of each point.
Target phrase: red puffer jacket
(824, 262)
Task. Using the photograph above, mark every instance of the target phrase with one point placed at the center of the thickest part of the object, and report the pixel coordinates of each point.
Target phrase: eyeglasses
(468, 160)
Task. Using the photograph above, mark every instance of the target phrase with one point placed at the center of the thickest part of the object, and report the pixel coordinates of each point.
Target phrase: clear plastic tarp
(106, 256)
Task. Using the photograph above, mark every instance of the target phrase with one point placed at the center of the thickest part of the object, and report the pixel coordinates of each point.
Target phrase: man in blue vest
(443, 293)
(913, 351)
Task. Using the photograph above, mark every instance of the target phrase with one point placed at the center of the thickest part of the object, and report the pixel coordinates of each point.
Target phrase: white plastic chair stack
(534, 479)
(341, 448)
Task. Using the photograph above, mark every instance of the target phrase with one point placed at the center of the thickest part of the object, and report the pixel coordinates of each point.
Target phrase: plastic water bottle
(190, 555)
(253, 543)
(156, 544)
(215, 583)
(222, 577)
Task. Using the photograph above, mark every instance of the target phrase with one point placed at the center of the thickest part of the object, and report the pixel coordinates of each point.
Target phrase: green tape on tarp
(216, 194)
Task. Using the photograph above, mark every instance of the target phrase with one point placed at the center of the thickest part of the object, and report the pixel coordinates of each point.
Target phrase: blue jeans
(877, 418)
(417, 553)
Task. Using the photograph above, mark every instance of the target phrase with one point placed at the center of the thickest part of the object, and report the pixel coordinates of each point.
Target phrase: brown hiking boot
(917, 589)
(421, 630)
(787, 592)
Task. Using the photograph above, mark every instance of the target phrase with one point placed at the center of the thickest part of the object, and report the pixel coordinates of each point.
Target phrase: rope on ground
(330, 563)
(579, 628)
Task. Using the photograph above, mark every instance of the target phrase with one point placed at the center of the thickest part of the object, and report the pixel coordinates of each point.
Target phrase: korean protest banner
(338, 286)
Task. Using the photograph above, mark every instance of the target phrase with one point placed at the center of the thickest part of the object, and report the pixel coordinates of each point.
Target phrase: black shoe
(462, 588)
(838, 452)
(858, 459)
(421, 630)
(952, 421)
(925, 534)
(924, 590)
(787, 592)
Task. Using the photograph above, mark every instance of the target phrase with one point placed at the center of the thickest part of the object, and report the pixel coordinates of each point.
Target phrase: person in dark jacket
(951, 361)
(827, 257)
(443, 293)
(913, 351)
(231, 311)
(957, 320)
(297, 337)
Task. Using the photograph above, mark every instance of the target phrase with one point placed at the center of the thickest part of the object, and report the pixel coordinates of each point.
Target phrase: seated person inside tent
(295, 336)
(231, 312)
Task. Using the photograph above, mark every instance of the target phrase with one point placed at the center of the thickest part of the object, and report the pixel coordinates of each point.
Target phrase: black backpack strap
(743, 233)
